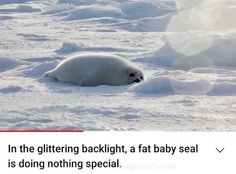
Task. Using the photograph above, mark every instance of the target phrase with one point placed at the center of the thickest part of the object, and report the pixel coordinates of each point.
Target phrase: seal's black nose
(136, 80)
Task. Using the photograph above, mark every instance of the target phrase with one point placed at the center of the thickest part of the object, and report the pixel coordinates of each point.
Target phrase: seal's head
(135, 75)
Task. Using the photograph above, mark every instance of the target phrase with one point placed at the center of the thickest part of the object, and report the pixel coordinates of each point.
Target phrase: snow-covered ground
(187, 50)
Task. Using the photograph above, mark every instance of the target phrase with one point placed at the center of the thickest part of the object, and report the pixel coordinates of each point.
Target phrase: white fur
(96, 69)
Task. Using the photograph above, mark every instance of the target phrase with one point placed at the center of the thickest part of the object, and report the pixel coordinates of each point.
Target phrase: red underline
(43, 131)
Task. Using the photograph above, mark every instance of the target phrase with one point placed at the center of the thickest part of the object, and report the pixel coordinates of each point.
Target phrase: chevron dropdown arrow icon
(220, 150)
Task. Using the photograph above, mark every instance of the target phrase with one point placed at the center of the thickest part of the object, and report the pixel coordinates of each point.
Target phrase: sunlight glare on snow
(194, 16)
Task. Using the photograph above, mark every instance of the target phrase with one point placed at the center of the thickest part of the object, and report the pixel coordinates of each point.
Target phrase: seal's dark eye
(131, 74)
(141, 77)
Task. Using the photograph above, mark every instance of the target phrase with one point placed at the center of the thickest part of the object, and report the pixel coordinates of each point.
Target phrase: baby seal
(96, 69)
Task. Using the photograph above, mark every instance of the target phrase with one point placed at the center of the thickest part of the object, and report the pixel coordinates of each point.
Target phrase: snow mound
(91, 2)
(6, 64)
(26, 9)
(40, 69)
(13, 1)
(78, 2)
(116, 9)
(67, 48)
(93, 12)
(58, 9)
(2, 18)
(220, 53)
(165, 85)
(11, 89)
(223, 89)
(155, 24)
(34, 37)
(168, 86)
(135, 10)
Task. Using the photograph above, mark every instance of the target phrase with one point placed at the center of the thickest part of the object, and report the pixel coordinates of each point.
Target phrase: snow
(185, 48)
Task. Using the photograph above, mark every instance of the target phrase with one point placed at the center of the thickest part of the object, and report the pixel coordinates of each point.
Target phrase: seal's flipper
(88, 81)
(50, 74)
